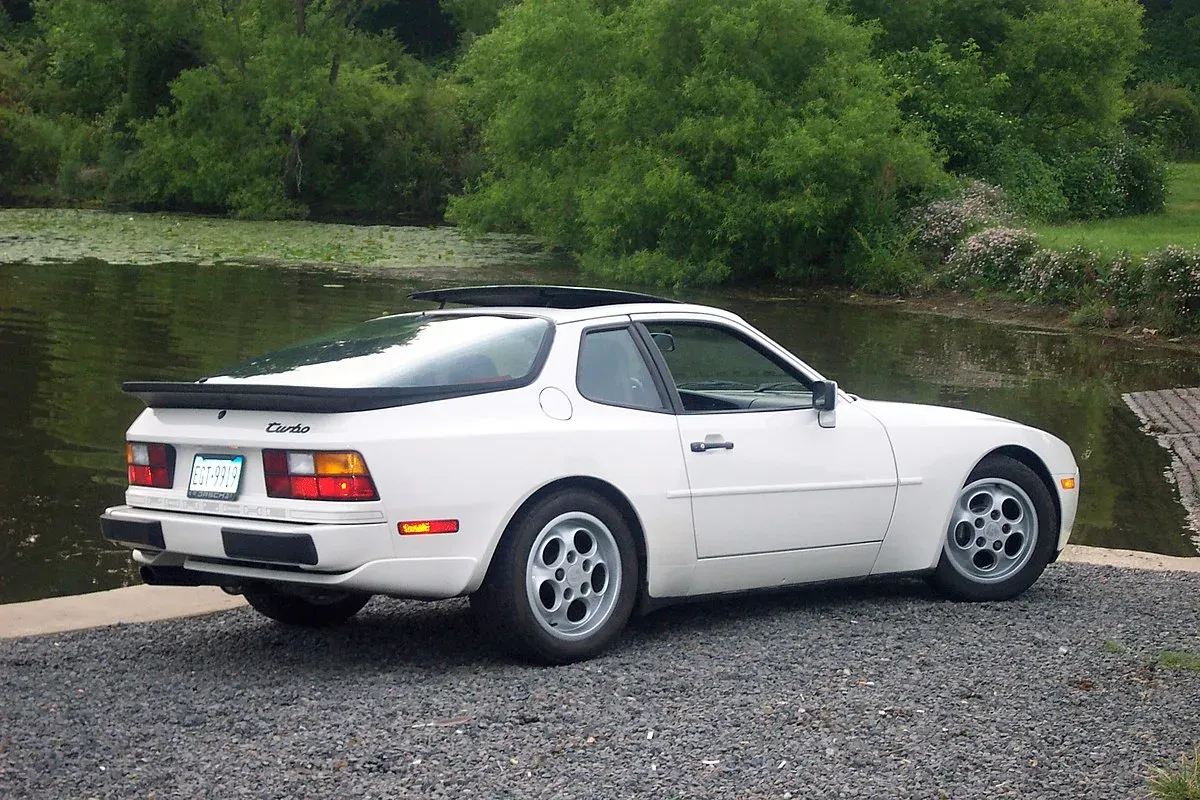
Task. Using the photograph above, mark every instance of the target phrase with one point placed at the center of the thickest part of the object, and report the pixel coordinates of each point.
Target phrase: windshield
(407, 350)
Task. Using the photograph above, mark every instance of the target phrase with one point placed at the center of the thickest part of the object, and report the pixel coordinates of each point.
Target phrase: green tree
(958, 99)
(104, 54)
(682, 141)
(319, 113)
(1067, 63)
(1173, 38)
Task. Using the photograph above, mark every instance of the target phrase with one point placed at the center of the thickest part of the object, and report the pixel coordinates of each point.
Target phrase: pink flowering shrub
(1058, 276)
(942, 224)
(1122, 282)
(992, 258)
(1173, 278)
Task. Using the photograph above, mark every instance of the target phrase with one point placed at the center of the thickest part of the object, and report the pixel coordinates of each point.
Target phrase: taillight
(150, 464)
(301, 475)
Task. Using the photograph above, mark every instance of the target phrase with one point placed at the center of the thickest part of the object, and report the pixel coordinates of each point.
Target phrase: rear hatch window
(407, 351)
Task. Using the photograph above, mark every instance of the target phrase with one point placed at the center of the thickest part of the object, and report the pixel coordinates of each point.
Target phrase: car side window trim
(660, 386)
(659, 368)
(664, 369)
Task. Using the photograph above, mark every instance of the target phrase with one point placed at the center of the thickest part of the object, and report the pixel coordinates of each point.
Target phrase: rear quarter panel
(475, 459)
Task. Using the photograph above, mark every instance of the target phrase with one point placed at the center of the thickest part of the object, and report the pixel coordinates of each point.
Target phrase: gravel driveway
(866, 691)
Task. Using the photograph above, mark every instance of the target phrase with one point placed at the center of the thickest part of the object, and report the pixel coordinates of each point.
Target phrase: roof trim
(535, 296)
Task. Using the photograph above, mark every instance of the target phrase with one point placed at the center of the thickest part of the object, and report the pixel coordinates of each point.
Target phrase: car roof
(561, 304)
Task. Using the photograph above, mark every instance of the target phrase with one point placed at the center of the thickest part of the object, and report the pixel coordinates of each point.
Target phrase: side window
(714, 369)
(613, 371)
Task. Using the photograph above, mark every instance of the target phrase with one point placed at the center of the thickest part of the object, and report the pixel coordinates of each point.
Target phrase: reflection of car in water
(564, 456)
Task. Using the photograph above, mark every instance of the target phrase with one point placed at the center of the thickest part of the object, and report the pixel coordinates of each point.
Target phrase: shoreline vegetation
(52, 235)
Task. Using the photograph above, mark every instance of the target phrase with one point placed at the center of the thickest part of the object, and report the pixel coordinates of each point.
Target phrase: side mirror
(664, 340)
(824, 395)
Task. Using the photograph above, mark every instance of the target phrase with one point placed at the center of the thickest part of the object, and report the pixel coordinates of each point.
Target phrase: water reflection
(70, 333)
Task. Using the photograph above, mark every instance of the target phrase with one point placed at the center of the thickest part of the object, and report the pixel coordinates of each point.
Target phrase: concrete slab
(1172, 417)
(1126, 559)
(113, 607)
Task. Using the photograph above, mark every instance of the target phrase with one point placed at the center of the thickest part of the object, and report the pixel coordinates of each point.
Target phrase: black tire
(293, 609)
(952, 581)
(504, 609)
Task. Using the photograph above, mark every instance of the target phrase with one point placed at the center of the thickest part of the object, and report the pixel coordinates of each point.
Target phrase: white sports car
(565, 456)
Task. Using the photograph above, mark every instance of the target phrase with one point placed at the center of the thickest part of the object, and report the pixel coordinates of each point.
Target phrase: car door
(764, 474)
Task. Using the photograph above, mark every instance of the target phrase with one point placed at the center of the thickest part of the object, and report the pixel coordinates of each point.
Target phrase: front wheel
(1001, 534)
(563, 580)
(315, 610)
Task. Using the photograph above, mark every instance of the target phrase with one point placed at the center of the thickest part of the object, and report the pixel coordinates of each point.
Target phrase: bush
(691, 141)
(1059, 277)
(1167, 115)
(1124, 177)
(1142, 176)
(30, 146)
(1172, 277)
(1034, 186)
(885, 261)
(942, 224)
(992, 258)
(1090, 185)
(1122, 282)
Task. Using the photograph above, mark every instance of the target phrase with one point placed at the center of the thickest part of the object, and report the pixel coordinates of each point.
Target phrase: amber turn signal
(1066, 483)
(428, 526)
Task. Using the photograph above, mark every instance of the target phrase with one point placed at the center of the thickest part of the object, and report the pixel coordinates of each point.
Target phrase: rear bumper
(349, 557)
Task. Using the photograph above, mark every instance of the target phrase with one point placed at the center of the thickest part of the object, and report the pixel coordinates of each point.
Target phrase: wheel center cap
(575, 575)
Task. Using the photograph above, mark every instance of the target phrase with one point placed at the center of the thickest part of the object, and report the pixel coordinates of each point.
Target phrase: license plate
(216, 477)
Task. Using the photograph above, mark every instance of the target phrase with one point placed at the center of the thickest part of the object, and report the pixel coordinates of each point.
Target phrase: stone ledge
(113, 607)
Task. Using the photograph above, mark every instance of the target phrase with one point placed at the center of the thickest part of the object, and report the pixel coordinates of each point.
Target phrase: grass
(1179, 224)
(1181, 782)
(1113, 646)
(1180, 659)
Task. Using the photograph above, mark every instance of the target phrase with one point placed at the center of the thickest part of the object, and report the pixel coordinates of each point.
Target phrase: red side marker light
(428, 526)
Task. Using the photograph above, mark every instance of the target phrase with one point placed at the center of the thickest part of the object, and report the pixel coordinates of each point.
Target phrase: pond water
(71, 332)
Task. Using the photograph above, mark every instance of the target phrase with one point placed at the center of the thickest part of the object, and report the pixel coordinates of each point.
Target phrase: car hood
(893, 414)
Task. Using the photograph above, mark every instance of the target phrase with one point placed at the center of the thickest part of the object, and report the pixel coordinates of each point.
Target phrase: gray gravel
(876, 690)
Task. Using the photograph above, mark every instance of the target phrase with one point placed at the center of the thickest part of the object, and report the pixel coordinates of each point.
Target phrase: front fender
(936, 448)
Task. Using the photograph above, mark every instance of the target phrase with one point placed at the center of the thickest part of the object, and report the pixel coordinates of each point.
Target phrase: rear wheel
(1001, 534)
(563, 580)
(312, 610)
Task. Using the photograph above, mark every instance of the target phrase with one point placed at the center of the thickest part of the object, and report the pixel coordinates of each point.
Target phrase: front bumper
(358, 557)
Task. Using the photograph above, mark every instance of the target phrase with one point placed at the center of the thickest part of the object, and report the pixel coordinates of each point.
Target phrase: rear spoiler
(313, 399)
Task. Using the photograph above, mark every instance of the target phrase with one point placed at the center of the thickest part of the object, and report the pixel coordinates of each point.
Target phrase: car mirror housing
(824, 395)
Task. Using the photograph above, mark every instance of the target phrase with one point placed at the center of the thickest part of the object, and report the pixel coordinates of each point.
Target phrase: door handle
(700, 447)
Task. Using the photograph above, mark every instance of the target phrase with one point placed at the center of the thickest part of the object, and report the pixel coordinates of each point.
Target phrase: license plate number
(216, 477)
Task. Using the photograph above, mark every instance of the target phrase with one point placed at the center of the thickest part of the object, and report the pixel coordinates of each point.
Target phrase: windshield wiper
(782, 386)
(716, 384)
